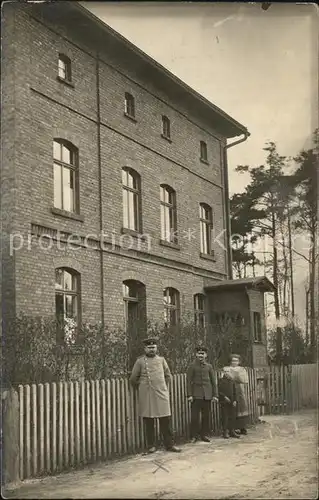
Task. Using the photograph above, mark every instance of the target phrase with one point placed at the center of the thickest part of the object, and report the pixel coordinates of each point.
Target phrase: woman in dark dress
(228, 404)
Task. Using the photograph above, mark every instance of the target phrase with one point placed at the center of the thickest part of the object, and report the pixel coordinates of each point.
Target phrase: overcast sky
(261, 67)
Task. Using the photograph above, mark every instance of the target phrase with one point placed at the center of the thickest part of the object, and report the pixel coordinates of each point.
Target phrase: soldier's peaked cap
(201, 348)
(150, 341)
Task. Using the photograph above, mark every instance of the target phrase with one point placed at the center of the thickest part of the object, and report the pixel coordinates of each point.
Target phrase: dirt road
(278, 459)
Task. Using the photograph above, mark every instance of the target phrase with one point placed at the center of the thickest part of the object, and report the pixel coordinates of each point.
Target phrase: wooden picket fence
(291, 388)
(68, 424)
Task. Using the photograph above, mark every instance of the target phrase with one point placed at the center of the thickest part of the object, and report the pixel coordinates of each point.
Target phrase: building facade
(114, 186)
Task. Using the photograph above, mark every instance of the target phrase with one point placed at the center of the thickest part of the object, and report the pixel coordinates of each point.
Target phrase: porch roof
(260, 283)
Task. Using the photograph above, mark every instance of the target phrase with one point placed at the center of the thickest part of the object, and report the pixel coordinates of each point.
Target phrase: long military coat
(152, 376)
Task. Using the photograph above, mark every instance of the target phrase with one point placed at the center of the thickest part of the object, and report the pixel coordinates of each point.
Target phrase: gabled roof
(258, 283)
(97, 30)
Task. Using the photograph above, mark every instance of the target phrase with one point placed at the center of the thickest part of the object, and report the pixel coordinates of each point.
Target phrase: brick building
(114, 175)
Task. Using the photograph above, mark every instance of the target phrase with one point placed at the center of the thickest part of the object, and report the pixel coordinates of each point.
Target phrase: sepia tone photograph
(159, 278)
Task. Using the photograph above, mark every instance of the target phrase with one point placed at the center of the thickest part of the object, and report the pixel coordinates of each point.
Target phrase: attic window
(166, 127)
(203, 152)
(129, 105)
(64, 68)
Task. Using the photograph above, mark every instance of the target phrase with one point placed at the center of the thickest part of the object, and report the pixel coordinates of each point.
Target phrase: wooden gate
(291, 388)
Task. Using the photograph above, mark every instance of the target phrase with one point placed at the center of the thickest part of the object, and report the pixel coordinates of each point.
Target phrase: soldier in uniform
(152, 376)
(201, 390)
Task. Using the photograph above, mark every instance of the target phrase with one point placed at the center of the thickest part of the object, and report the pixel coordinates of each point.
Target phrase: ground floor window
(199, 310)
(67, 304)
(171, 307)
(134, 298)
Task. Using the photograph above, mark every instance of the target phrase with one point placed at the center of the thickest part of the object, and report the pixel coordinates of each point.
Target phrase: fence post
(10, 451)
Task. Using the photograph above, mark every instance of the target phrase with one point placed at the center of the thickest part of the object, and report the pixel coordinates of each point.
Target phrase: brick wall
(44, 109)
(8, 140)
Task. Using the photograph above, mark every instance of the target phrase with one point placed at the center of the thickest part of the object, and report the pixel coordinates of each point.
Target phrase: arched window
(129, 105)
(64, 68)
(134, 298)
(203, 151)
(131, 183)
(199, 310)
(67, 303)
(65, 165)
(171, 306)
(206, 226)
(166, 127)
(168, 214)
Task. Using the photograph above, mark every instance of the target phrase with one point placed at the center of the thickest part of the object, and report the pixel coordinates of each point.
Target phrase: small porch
(236, 308)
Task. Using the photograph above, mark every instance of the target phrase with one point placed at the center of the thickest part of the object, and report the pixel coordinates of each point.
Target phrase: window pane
(125, 209)
(136, 209)
(130, 290)
(59, 279)
(208, 237)
(171, 224)
(203, 241)
(57, 187)
(167, 224)
(131, 210)
(57, 151)
(59, 309)
(66, 155)
(163, 230)
(67, 280)
(68, 189)
(201, 320)
(71, 306)
(62, 69)
(124, 177)
(173, 317)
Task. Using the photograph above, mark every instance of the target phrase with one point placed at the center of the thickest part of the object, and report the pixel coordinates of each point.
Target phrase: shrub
(34, 351)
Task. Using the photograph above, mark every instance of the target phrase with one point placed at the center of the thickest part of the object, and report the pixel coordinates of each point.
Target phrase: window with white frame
(168, 214)
(129, 105)
(206, 227)
(199, 310)
(64, 68)
(171, 306)
(67, 304)
(65, 164)
(131, 186)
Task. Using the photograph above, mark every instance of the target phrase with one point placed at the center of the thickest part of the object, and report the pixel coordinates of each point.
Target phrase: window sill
(168, 139)
(130, 117)
(204, 161)
(259, 342)
(132, 232)
(66, 82)
(207, 256)
(170, 244)
(66, 214)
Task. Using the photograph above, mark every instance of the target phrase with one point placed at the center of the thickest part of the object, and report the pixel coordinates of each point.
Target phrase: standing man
(152, 376)
(201, 390)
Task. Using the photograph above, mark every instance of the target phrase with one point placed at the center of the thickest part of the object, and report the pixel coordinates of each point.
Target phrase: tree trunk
(312, 306)
(291, 267)
(275, 281)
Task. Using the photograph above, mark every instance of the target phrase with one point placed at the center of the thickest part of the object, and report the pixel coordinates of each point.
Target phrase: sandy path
(278, 459)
